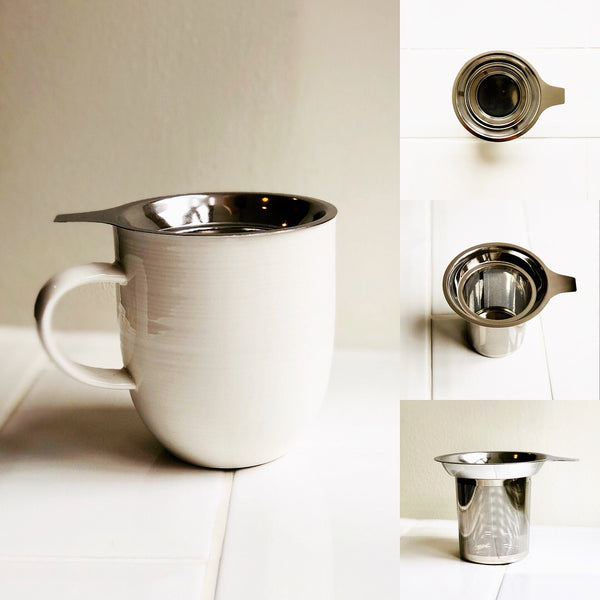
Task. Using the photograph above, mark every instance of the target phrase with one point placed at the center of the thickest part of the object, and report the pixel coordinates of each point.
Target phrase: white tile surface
(415, 281)
(431, 569)
(322, 521)
(81, 476)
(101, 579)
(565, 236)
(569, 550)
(406, 525)
(426, 80)
(21, 359)
(91, 506)
(564, 562)
(549, 586)
(427, 77)
(593, 172)
(468, 23)
(459, 373)
(550, 172)
(593, 31)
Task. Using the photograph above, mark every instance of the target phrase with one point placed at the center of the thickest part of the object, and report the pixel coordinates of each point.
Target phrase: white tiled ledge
(563, 562)
(92, 507)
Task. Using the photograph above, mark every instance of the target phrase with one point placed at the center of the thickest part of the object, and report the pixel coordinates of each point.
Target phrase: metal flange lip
(514, 123)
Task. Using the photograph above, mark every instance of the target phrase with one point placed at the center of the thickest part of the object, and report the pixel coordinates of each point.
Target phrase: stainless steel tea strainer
(493, 498)
(498, 96)
(496, 288)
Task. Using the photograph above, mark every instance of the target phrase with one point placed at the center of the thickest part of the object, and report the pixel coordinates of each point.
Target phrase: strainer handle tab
(94, 216)
(560, 284)
(551, 96)
(561, 458)
(50, 294)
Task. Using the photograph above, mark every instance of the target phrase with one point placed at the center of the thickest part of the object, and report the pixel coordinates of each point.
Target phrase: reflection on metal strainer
(492, 496)
(498, 96)
(496, 288)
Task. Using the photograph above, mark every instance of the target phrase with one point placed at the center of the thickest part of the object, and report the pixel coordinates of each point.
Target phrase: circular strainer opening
(496, 292)
(498, 95)
(496, 285)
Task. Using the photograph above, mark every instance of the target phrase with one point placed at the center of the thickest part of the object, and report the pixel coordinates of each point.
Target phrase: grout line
(430, 300)
(213, 566)
(22, 390)
(501, 583)
(543, 335)
(588, 195)
(546, 360)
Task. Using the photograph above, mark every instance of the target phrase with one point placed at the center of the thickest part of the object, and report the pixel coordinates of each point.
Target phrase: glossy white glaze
(228, 339)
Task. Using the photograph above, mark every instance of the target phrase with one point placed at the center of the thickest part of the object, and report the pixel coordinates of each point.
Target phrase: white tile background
(540, 191)
(563, 562)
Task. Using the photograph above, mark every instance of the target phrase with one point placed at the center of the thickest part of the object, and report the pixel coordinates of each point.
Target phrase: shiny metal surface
(223, 213)
(495, 343)
(493, 520)
(496, 288)
(496, 465)
(499, 96)
(493, 499)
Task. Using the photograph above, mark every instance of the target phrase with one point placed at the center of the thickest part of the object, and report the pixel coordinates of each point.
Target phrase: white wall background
(561, 493)
(109, 101)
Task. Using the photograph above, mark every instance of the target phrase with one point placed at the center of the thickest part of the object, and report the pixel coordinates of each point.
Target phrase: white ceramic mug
(226, 307)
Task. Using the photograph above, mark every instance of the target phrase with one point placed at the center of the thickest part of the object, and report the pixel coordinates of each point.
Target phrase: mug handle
(48, 297)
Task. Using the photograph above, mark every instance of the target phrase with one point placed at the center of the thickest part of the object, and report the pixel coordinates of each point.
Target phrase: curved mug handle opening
(48, 297)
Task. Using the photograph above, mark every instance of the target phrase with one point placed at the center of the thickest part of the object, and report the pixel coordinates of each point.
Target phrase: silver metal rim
(474, 118)
(493, 465)
(475, 318)
(493, 560)
(459, 458)
(459, 261)
(312, 212)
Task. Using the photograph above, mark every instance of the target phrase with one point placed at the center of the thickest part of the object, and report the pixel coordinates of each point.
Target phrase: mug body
(228, 338)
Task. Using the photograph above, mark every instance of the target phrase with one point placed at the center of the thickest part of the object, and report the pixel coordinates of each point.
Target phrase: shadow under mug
(226, 307)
